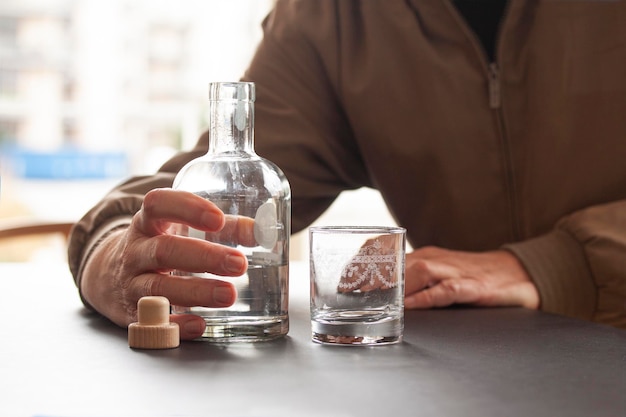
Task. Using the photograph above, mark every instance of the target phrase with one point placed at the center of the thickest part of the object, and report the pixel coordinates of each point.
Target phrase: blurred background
(94, 91)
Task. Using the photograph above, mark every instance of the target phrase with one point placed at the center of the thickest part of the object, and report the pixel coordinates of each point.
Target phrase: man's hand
(137, 262)
(438, 277)
(373, 268)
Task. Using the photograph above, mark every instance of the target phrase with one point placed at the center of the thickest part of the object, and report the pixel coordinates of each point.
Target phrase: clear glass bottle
(245, 187)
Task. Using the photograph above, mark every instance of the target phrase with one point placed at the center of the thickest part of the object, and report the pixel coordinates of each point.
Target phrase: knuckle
(452, 286)
(149, 205)
(152, 197)
(152, 285)
(151, 201)
(422, 267)
(208, 258)
(160, 249)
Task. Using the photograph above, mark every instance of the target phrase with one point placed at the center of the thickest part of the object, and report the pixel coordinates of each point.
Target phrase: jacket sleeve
(580, 266)
(299, 126)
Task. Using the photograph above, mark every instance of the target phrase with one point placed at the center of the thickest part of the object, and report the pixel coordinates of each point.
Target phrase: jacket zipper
(495, 103)
(494, 86)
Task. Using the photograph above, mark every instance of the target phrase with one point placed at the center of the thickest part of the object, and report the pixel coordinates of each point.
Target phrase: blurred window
(8, 83)
(8, 32)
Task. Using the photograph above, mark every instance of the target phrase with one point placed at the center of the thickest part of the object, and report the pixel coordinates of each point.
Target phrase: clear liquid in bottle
(249, 190)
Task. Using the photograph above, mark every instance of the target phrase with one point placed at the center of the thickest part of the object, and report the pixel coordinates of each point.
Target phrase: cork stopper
(153, 329)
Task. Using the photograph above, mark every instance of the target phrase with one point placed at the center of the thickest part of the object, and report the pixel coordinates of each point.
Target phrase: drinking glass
(357, 284)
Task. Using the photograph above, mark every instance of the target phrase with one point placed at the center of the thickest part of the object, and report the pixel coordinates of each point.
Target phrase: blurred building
(92, 87)
(98, 90)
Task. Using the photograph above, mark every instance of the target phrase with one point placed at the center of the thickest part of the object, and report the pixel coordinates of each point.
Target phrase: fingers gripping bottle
(255, 196)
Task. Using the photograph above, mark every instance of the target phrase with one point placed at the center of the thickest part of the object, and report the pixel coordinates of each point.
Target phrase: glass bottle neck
(231, 112)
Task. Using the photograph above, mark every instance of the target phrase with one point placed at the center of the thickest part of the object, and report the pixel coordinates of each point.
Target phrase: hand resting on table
(437, 277)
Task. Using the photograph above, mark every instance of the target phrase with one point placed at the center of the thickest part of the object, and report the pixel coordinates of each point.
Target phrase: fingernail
(223, 296)
(211, 219)
(235, 264)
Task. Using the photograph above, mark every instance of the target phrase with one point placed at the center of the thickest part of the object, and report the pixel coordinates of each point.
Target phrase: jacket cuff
(557, 265)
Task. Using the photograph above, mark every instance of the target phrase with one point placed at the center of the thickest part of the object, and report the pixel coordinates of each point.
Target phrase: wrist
(524, 289)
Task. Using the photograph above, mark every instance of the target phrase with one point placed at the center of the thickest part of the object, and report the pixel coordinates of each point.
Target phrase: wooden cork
(153, 330)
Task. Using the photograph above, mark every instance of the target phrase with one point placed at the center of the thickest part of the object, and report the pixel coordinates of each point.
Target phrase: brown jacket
(526, 153)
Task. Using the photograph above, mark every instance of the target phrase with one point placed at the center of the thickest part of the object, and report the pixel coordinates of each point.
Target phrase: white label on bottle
(198, 234)
(265, 230)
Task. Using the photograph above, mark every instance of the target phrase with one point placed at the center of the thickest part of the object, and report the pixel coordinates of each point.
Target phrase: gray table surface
(57, 359)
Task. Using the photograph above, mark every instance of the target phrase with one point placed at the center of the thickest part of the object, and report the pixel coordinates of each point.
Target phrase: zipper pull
(494, 86)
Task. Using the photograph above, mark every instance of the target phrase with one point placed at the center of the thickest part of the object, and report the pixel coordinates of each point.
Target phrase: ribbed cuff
(557, 265)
